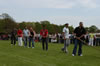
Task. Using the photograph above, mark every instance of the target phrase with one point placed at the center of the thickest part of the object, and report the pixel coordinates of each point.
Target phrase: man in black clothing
(13, 36)
(79, 33)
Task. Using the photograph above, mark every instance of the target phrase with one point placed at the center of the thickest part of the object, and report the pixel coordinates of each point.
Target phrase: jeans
(66, 44)
(31, 40)
(75, 47)
(26, 39)
(98, 41)
(44, 40)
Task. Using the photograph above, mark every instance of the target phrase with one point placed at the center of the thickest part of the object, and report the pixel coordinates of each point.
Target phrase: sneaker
(73, 55)
(11, 44)
(62, 49)
(28, 47)
(80, 55)
(32, 47)
(66, 51)
(25, 46)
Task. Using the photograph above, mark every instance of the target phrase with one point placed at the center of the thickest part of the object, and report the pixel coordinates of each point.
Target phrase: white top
(26, 32)
(66, 32)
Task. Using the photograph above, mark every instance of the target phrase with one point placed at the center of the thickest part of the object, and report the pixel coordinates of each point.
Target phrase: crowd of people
(29, 37)
(79, 36)
(92, 39)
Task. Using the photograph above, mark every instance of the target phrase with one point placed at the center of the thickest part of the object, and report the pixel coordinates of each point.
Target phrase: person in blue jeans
(31, 37)
(79, 33)
(26, 36)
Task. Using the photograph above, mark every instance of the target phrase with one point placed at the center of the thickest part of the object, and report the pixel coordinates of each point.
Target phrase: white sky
(56, 11)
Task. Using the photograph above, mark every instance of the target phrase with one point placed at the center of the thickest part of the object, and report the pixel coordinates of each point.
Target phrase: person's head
(25, 27)
(31, 29)
(67, 25)
(44, 26)
(81, 24)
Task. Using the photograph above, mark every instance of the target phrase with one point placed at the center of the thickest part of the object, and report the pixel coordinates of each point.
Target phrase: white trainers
(81, 55)
(28, 47)
(32, 47)
(66, 52)
(73, 55)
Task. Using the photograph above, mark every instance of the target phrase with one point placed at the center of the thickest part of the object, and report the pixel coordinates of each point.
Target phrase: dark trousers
(75, 47)
(44, 41)
(97, 41)
(13, 40)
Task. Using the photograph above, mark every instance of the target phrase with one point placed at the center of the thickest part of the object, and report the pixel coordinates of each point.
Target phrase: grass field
(20, 56)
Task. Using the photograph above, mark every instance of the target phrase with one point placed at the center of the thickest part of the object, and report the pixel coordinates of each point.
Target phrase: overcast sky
(55, 11)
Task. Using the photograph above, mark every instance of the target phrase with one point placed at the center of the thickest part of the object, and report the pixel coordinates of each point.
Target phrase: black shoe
(62, 49)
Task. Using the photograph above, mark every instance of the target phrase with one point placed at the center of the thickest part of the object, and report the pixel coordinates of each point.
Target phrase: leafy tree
(38, 27)
(71, 29)
(93, 28)
(7, 23)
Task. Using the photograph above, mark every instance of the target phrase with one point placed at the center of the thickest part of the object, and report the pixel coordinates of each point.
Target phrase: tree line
(7, 24)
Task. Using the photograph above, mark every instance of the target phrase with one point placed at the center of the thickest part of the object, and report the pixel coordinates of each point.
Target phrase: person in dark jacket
(79, 33)
(13, 36)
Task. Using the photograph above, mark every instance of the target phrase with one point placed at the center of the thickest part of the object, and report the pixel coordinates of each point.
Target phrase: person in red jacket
(44, 34)
(20, 35)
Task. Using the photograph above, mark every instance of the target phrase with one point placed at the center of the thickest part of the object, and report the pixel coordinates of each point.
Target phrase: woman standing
(20, 35)
(31, 37)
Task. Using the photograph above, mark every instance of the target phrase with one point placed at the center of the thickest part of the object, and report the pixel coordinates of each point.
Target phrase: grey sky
(56, 11)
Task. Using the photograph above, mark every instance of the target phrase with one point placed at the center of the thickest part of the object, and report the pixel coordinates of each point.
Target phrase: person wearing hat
(66, 38)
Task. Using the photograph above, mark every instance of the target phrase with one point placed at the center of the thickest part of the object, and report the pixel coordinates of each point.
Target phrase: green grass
(20, 56)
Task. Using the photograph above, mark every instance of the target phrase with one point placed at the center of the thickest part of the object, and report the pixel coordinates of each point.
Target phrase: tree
(7, 23)
(87, 29)
(45, 22)
(7, 16)
(38, 27)
(93, 28)
(71, 29)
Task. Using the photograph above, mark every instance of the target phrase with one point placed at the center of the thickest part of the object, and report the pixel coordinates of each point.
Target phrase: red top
(20, 33)
(44, 32)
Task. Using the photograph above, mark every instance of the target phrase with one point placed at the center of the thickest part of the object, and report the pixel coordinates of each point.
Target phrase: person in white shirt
(66, 38)
(26, 36)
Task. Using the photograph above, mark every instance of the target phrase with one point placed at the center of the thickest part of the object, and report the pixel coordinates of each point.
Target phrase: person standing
(31, 37)
(91, 39)
(13, 36)
(66, 38)
(26, 36)
(87, 38)
(79, 33)
(44, 34)
(20, 35)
